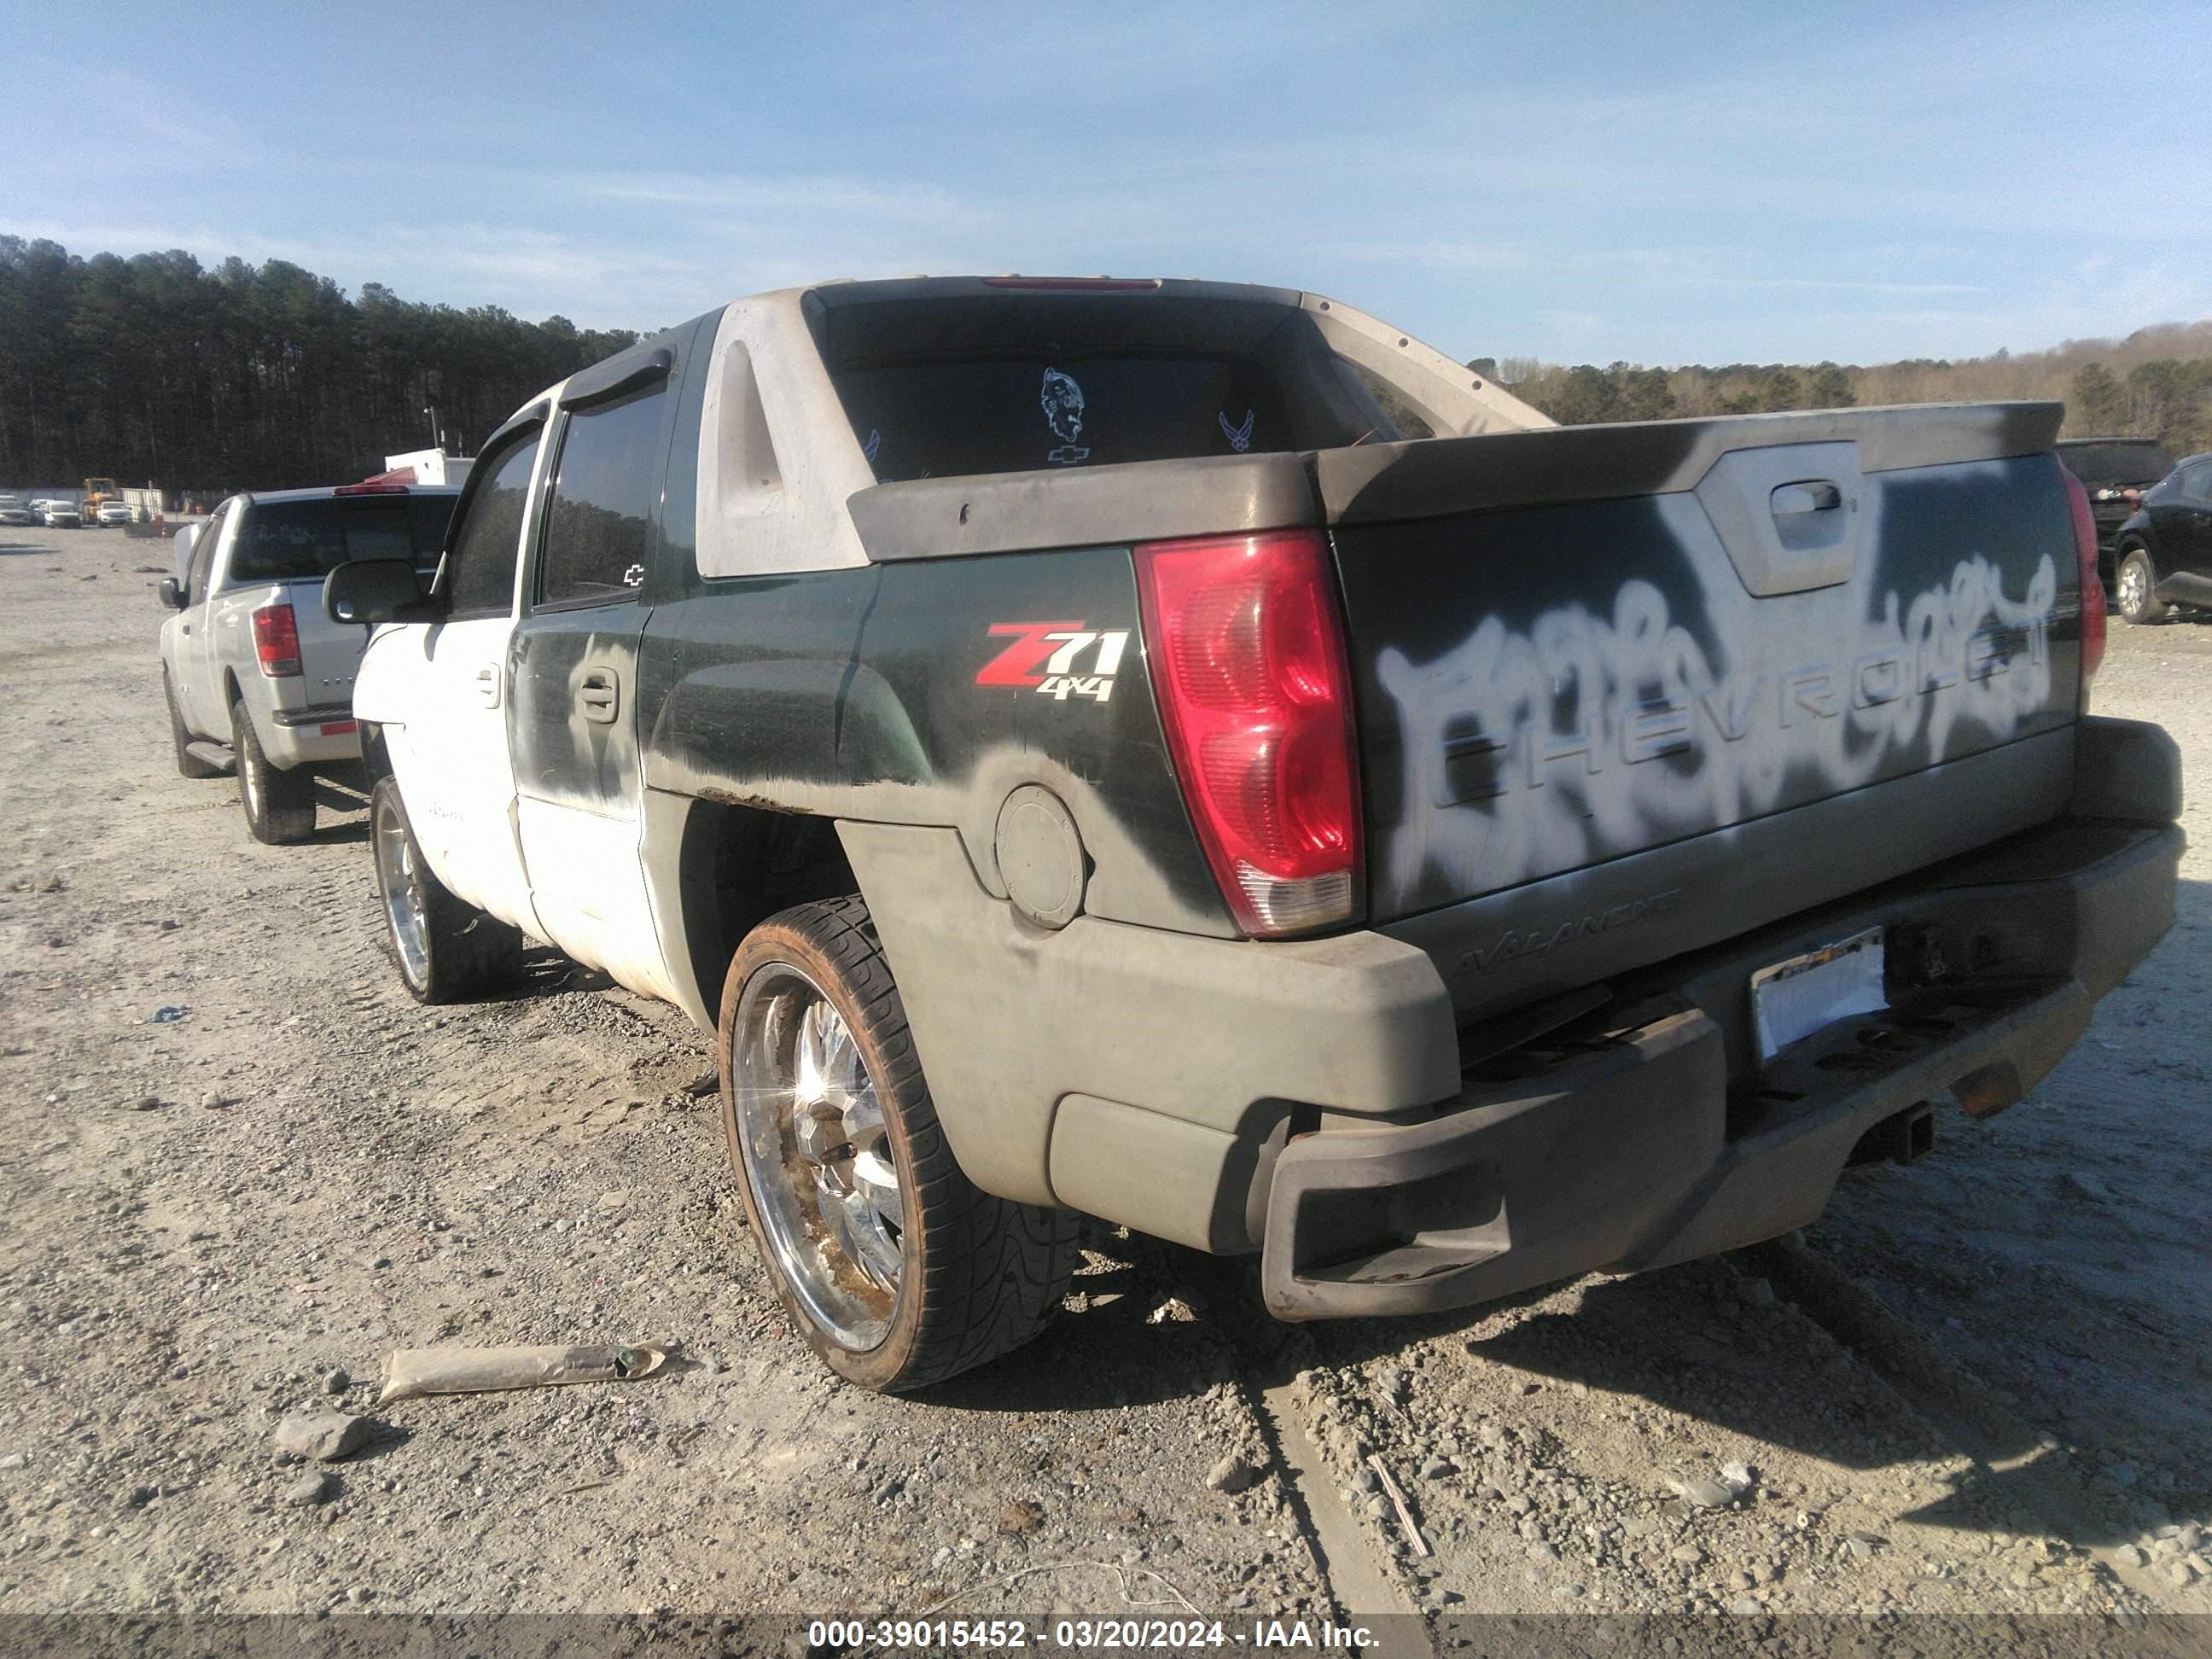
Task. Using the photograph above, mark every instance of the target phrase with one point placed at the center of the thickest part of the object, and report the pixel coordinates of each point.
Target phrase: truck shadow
(1684, 1339)
(341, 794)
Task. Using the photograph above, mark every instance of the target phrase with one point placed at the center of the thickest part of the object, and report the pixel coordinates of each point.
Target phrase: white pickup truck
(258, 681)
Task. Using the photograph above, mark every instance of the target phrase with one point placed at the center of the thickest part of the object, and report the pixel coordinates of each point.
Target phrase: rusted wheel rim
(818, 1154)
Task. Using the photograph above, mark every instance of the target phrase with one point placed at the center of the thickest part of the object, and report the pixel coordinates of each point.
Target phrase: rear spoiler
(1383, 483)
(1425, 477)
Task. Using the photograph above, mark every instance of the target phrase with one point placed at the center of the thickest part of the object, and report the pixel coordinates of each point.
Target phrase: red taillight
(1247, 663)
(2092, 584)
(276, 640)
(338, 728)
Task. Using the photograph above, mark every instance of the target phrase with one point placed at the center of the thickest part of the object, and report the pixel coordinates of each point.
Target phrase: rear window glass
(1018, 415)
(428, 518)
(2117, 463)
(300, 541)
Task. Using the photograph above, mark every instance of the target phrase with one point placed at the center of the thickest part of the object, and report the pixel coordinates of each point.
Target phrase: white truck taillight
(1245, 645)
(276, 640)
(2094, 623)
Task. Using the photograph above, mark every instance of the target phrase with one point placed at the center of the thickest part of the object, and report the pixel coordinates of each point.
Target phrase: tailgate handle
(1788, 515)
(1814, 497)
(601, 695)
(1808, 515)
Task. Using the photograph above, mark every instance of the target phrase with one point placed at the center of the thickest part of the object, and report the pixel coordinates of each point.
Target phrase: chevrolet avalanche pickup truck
(1077, 756)
(257, 681)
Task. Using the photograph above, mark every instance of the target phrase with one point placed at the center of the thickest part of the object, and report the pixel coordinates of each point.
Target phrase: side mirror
(173, 592)
(371, 591)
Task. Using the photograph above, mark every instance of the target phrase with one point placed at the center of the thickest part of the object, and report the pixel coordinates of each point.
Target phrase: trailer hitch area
(1904, 1137)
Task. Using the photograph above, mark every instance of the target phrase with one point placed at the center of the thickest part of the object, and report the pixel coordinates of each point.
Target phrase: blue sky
(1578, 183)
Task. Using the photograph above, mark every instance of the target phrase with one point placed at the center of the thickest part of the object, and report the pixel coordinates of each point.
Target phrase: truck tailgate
(1624, 690)
(330, 652)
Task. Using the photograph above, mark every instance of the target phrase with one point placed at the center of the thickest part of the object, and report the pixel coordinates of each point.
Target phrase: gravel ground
(1979, 1385)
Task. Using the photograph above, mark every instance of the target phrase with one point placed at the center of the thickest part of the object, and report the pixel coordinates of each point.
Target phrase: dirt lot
(1982, 1384)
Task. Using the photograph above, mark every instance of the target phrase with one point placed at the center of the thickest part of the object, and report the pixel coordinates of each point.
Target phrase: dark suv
(2165, 549)
(2109, 469)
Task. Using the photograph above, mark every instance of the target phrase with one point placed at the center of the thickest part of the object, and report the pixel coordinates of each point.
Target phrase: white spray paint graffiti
(1589, 735)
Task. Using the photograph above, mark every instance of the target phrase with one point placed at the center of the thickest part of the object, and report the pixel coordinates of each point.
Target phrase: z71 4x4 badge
(1044, 655)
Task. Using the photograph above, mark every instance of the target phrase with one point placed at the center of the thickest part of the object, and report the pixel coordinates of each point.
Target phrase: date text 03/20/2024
(1083, 1635)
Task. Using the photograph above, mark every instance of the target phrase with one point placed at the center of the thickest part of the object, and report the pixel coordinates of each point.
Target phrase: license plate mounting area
(1792, 999)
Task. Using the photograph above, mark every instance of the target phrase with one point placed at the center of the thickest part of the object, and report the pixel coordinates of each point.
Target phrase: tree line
(157, 369)
(2156, 383)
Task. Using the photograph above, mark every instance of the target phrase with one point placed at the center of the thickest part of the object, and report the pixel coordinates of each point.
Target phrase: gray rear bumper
(321, 713)
(296, 737)
(1650, 1134)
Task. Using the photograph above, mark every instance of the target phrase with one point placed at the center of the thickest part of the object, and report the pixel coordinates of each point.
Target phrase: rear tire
(2136, 588)
(898, 1270)
(280, 805)
(189, 765)
(446, 949)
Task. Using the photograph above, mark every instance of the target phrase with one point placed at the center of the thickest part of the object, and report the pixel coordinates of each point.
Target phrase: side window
(605, 483)
(480, 564)
(2198, 480)
(1408, 421)
(196, 585)
(428, 518)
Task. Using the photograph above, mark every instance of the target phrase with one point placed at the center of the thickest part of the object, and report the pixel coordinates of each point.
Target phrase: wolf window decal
(1061, 399)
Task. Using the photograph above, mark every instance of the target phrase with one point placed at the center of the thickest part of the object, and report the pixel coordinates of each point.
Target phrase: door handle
(601, 695)
(487, 678)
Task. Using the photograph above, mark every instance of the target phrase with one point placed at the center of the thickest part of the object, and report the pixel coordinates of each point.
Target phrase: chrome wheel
(818, 1154)
(2134, 588)
(402, 887)
(249, 778)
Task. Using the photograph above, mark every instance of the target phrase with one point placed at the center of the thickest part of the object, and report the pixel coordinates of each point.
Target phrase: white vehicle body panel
(200, 683)
(587, 886)
(440, 694)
